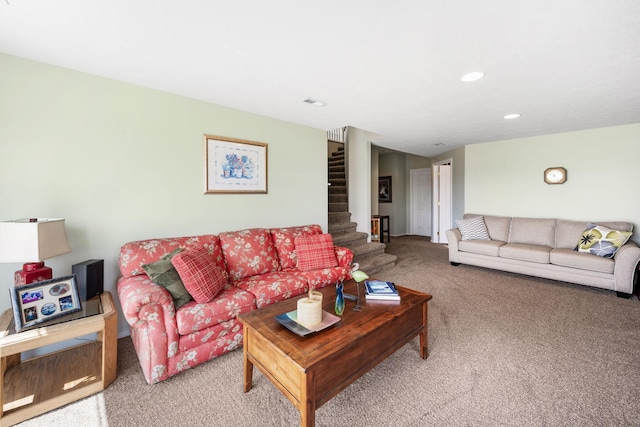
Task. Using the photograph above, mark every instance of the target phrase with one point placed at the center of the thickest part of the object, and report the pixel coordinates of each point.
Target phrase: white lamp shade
(29, 240)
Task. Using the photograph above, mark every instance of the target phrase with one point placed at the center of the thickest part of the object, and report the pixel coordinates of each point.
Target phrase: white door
(420, 202)
(441, 202)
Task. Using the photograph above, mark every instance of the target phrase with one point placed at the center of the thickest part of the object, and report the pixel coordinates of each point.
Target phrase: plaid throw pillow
(473, 228)
(200, 275)
(315, 252)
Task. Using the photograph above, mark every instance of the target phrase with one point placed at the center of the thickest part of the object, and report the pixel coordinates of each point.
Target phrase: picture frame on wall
(234, 166)
(384, 189)
(39, 302)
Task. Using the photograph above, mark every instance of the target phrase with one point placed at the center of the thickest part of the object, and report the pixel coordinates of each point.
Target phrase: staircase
(370, 255)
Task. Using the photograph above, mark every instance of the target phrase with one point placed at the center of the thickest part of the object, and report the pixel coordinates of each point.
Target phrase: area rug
(504, 350)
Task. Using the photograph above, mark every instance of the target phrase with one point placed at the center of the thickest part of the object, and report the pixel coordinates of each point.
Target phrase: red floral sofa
(258, 267)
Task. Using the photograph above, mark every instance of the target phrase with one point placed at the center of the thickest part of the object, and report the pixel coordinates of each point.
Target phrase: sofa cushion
(531, 253)
(135, 254)
(249, 253)
(568, 233)
(318, 279)
(315, 252)
(602, 241)
(163, 273)
(228, 304)
(583, 261)
(616, 225)
(203, 345)
(481, 247)
(497, 226)
(283, 240)
(533, 231)
(273, 287)
(200, 275)
(473, 228)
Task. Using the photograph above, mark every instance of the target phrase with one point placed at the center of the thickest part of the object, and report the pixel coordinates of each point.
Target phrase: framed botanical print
(234, 165)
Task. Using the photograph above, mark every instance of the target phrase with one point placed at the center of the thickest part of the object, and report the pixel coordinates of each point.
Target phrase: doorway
(420, 202)
(442, 202)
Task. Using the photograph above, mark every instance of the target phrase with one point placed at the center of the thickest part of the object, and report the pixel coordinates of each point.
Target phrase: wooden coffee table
(313, 369)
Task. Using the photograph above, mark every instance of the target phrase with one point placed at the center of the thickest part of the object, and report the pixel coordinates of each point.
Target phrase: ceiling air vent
(315, 102)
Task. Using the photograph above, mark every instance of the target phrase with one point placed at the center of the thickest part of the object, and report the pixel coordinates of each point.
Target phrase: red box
(32, 272)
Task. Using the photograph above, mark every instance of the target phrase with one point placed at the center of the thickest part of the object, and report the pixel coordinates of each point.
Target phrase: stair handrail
(337, 135)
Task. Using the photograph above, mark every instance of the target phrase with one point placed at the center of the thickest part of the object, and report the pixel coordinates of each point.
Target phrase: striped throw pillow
(473, 228)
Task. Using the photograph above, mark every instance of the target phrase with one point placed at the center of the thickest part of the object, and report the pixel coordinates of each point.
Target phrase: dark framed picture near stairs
(384, 189)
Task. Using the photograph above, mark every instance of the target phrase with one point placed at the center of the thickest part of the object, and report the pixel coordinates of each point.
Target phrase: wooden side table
(380, 223)
(375, 229)
(38, 385)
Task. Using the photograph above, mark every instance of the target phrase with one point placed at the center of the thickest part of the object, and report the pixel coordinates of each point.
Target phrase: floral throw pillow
(473, 228)
(315, 252)
(200, 274)
(602, 241)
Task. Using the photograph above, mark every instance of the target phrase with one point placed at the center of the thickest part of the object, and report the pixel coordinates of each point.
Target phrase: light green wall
(506, 177)
(122, 162)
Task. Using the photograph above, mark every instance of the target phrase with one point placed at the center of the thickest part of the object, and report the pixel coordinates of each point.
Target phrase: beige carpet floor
(505, 350)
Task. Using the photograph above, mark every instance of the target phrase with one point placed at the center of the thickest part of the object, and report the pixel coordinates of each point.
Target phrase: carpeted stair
(370, 255)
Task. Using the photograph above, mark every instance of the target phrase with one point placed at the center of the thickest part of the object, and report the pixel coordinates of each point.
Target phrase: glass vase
(339, 298)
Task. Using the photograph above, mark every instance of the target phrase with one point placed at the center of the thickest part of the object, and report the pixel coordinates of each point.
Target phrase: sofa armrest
(626, 263)
(149, 310)
(136, 293)
(344, 256)
(453, 238)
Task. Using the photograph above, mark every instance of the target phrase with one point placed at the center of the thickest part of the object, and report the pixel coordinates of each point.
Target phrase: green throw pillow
(164, 274)
(602, 241)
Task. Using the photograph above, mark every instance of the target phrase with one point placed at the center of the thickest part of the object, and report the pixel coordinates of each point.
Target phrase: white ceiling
(391, 68)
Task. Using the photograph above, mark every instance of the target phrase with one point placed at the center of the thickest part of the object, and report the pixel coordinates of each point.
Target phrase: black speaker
(90, 278)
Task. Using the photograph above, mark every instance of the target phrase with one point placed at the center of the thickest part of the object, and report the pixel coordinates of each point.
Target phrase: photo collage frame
(39, 302)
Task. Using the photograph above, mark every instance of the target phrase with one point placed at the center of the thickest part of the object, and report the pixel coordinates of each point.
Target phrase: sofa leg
(455, 264)
(623, 295)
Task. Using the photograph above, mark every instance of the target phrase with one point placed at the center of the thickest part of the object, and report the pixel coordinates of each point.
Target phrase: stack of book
(380, 290)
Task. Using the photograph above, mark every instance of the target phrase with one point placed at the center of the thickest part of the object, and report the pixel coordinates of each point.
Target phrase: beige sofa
(545, 247)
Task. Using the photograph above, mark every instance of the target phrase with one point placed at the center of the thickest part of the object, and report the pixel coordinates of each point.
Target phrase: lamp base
(32, 272)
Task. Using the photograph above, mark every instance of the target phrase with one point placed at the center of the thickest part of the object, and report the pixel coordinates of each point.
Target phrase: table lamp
(32, 240)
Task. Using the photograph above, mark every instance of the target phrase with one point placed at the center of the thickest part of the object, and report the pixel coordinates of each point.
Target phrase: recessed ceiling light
(512, 116)
(315, 102)
(472, 77)
(439, 144)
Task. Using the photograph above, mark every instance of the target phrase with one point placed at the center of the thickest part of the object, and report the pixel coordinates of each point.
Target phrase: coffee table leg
(248, 366)
(424, 344)
(308, 400)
